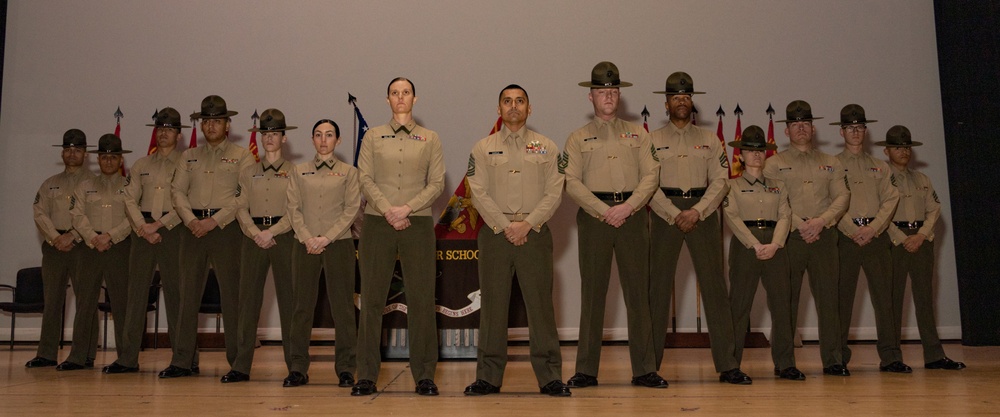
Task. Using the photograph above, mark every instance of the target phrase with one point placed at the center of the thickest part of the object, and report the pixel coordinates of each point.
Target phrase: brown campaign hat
(679, 83)
(74, 138)
(605, 75)
(272, 120)
(168, 117)
(853, 114)
(753, 140)
(109, 144)
(898, 136)
(798, 111)
(213, 107)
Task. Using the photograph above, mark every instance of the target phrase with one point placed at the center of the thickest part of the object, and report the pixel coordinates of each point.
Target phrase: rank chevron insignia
(472, 166)
(563, 162)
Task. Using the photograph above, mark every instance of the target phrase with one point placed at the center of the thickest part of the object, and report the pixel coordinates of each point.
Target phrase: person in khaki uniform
(862, 243)
(757, 211)
(324, 197)
(204, 191)
(261, 213)
(60, 251)
(693, 172)
(402, 172)
(911, 232)
(611, 172)
(819, 196)
(98, 209)
(155, 240)
(516, 186)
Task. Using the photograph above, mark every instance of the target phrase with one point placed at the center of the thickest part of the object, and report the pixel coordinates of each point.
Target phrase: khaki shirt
(323, 199)
(207, 177)
(601, 149)
(917, 202)
(754, 199)
(98, 207)
(690, 157)
(872, 193)
(816, 184)
(263, 193)
(522, 163)
(401, 164)
(147, 188)
(52, 203)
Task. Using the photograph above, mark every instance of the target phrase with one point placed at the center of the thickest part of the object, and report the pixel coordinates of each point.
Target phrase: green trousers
(57, 267)
(920, 267)
(337, 264)
(630, 246)
(820, 259)
(378, 249)
(110, 266)
(745, 271)
(876, 260)
(143, 260)
(499, 261)
(705, 245)
(254, 263)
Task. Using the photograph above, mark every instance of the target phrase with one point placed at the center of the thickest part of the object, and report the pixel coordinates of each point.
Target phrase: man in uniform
(516, 186)
(862, 243)
(611, 172)
(818, 194)
(204, 191)
(268, 243)
(758, 213)
(693, 172)
(156, 241)
(98, 209)
(59, 250)
(911, 232)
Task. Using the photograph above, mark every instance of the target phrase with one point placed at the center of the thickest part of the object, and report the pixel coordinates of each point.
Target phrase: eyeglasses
(855, 128)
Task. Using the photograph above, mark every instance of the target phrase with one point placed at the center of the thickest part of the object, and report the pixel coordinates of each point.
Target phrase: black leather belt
(863, 221)
(909, 225)
(761, 224)
(677, 192)
(62, 232)
(615, 197)
(204, 214)
(266, 220)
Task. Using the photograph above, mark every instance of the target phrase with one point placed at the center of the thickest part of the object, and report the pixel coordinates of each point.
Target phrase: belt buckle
(911, 225)
(761, 224)
(617, 197)
(686, 194)
(267, 221)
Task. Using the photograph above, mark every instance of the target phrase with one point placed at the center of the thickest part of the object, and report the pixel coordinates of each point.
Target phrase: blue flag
(362, 128)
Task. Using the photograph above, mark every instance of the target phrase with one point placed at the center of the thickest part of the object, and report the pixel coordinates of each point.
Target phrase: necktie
(514, 189)
(615, 165)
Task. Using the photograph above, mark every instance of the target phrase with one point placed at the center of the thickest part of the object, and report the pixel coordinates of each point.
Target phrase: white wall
(70, 64)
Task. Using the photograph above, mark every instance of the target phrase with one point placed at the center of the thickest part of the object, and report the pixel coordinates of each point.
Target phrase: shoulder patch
(128, 179)
(72, 201)
(38, 197)
(239, 190)
(847, 183)
(563, 161)
(934, 194)
(652, 149)
(723, 161)
(892, 178)
(471, 171)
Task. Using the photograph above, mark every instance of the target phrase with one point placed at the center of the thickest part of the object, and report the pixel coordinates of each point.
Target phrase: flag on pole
(460, 219)
(253, 137)
(694, 114)
(718, 130)
(152, 138)
(362, 126)
(645, 118)
(194, 134)
(118, 132)
(770, 130)
(736, 168)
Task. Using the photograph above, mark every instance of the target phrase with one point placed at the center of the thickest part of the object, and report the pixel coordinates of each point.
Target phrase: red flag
(645, 118)
(194, 135)
(736, 168)
(253, 138)
(770, 130)
(460, 219)
(152, 142)
(118, 131)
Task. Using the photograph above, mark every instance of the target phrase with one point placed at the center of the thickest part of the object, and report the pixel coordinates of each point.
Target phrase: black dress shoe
(793, 374)
(896, 367)
(346, 379)
(40, 362)
(777, 372)
(580, 380)
(174, 372)
(651, 380)
(363, 387)
(195, 369)
(69, 366)
(234, 376)
(295, 379)
(89, 363)
(426, 387)
(555, 388)
(481, 387)
(735, 376)
(116, 368)
(939, 364)
(836, 370)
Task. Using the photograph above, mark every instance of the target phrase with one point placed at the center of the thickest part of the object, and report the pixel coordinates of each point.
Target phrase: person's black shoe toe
(234, 376)
(650, 380)
(581, 380)
(942, 364)
(295, 379)
(40, 362)
(364, 387)
(116, 368)
(555, 388)
(426, 387)
(481, 387)
(792, 374)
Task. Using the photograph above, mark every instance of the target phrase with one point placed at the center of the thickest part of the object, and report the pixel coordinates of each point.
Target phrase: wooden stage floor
(694, 388)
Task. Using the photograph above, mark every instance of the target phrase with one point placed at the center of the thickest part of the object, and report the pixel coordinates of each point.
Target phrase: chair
(152, 304)
(211, 300)
(28, 297)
